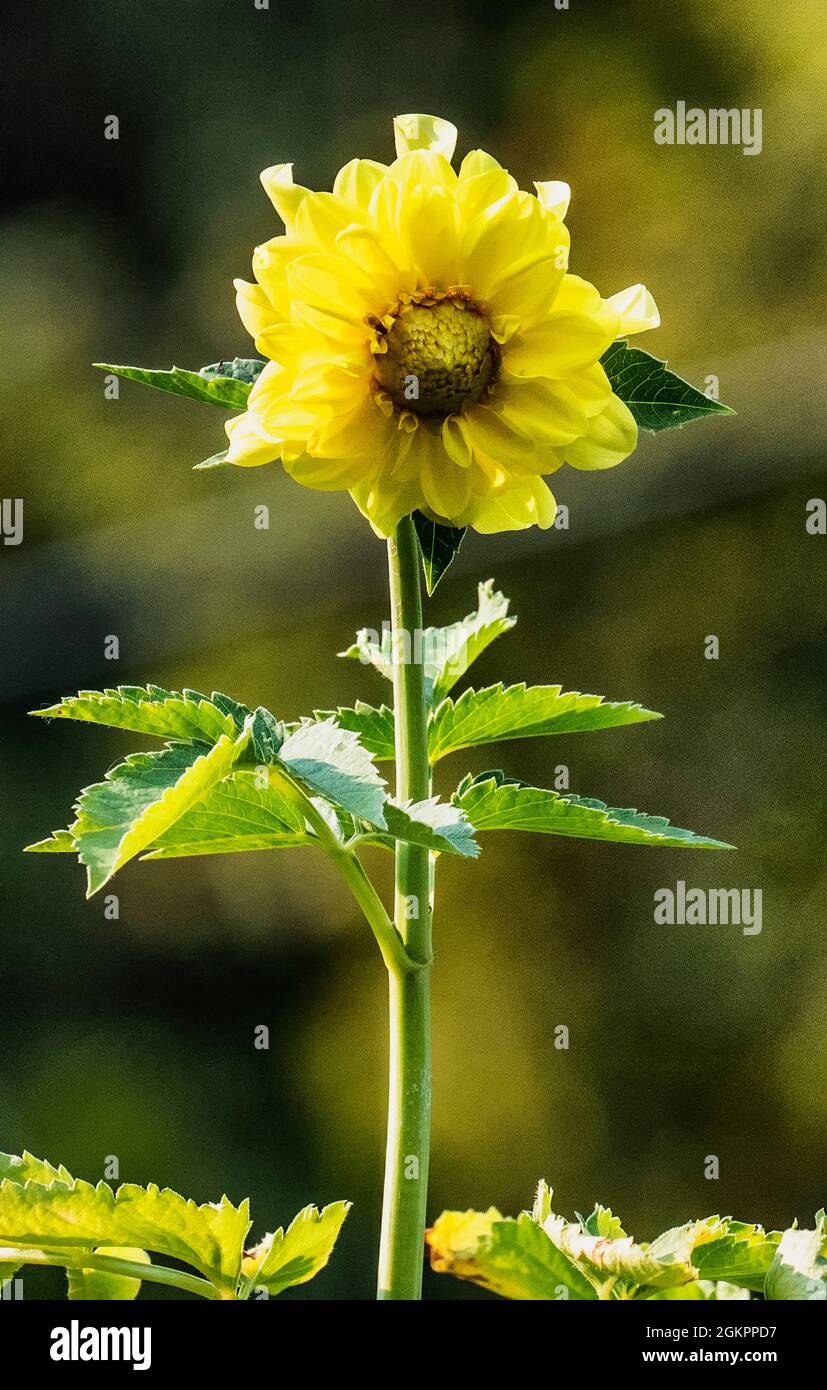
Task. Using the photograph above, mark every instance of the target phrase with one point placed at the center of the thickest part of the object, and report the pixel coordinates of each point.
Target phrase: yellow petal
(357, 180)
(491, 434)
(248, 446)
(385, 502)
(324, 474)
(456, 443)
(418, 132)
(285, 195)
(636, 308)
(428, 228)
(555, 197)
(341, 386)
(478, 162)
(420, 168)
(333, 284)
(360, 434)
(610, 438)
(563, 343)
(319, 219)
(445, 487)
(274, 381)
(342, 335)
(577, 295)
(547, 411)
(591, 387)
(270, 261)
(381, 260)
(527, 502)
(504, 240)
(480, 191)
(528, 296)
(254, 308)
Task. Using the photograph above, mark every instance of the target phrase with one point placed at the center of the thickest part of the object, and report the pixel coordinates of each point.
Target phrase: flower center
(434, 355)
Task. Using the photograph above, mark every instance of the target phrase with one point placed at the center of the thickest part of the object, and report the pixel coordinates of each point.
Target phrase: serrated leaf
(492, 802)
(69, 1213)
(374, 727)
(742, 1255)
(453, 649)
(657, 398)
(151, 709)
(332, 762)
(513, 1258)
(520, 711)
(608, 1259)
(98, 1284)
(286, 1258)
(433, 824)
(59, 842)
(446, 652)
(236, 816)
(268, 735)
(603, 1222)
(799, 1268)
(25, 1167)
(142, 798)
(228, 392)
(438, 546)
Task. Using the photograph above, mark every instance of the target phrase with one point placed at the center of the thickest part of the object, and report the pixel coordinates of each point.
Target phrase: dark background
(135, 1037)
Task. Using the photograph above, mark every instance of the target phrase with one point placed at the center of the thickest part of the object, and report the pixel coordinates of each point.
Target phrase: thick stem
(409, 1090)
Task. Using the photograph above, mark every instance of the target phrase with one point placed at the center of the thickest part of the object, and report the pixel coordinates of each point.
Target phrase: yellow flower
(427, 347)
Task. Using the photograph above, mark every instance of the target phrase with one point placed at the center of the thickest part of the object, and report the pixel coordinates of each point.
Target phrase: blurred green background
(135, 1037)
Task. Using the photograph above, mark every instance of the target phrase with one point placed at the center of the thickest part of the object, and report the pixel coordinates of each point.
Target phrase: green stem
(128, 1269)
(350, 867)
(409, 1089)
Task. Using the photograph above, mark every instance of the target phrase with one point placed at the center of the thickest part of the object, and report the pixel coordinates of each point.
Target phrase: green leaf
(59, 842)
(438, 546)
(741, 1256)
(658, 399)
(446, 652)
(604, 1223)
(98, 1284)
(245, 369)
(143, 797)
(374, 727)
(68, 1213)
(26, 1168)
(606, 1260)
(152, 710)
(332, 762)
(433, 824)
(493, 802)
(704, 1290)
(799, 1268)
(518, 711)
(513, 1258)
(236, 816)
(268, 735)
(286, 1258)
(453, 649)
(228, 392)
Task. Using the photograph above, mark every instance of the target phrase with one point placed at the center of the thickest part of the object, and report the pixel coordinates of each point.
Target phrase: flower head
(427, 347)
